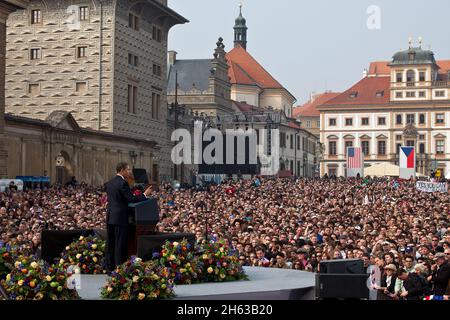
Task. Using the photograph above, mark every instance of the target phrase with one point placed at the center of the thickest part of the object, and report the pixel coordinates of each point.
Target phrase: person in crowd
(386, 289)
(440, 276)
(413, 285)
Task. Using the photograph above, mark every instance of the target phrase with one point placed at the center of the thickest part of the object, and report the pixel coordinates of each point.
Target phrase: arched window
(411, 76)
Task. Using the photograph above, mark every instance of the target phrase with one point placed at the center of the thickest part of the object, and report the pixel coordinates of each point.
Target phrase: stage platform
(264, 284)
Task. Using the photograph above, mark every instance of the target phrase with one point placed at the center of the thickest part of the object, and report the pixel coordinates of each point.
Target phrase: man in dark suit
(119, 196)
(440, 277)
(413, 284)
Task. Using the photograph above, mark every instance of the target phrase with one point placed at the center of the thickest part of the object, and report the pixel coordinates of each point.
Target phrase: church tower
(240, 31)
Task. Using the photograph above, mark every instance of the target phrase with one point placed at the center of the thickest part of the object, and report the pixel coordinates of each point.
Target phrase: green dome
(413, 56)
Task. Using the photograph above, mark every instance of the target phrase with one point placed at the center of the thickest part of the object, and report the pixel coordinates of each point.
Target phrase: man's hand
(148, 191)
(404, 294)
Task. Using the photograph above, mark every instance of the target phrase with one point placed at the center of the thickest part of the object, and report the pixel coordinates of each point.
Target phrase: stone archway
(64, 168)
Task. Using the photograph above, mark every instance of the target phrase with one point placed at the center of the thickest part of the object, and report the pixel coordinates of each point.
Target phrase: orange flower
(24, 271)
(32, 284)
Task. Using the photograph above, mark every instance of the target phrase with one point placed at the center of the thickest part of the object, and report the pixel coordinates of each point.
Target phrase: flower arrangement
(33, 279)
(88, 253)
(180, 258)
(7, 257)
(138, 280)
(219, 264)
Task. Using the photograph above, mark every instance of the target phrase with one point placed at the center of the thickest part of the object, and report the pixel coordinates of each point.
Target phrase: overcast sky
(313, 46)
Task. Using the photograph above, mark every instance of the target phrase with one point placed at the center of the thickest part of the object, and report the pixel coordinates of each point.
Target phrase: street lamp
(133, 156)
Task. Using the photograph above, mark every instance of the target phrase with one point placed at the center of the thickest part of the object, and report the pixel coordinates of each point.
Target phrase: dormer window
(353, 95)
(412, 56)
(380, 94)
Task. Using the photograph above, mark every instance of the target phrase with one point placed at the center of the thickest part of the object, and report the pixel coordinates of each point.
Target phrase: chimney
(365, 73)
(172, 57)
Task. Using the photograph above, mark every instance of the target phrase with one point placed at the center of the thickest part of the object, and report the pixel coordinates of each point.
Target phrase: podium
(142, 219)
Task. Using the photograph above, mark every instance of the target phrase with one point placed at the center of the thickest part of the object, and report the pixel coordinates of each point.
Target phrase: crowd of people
(279, 223)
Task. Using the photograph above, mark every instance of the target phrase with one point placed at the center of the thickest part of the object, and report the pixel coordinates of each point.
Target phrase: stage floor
(264, 284)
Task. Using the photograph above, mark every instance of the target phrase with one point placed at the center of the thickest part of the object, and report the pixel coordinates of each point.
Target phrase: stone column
(6, 7)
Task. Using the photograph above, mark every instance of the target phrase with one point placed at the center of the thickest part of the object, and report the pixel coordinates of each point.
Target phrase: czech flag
(407, 158)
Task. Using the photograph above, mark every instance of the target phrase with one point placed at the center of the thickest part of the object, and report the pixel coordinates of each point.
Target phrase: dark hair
(121, 166)
(401, 271)
(408, 256)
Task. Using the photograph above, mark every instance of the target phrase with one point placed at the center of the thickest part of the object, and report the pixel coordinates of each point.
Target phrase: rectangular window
(292, 141)
(399, 94)
(365, 148)
(136, 61)
(318, 123)
(398, 137)
(157, 34)
(439, 94)
(35, 54)
(332, 148)
(298, 143)
(440, 118)
(411, 94)
(348, 121)
(133, 21)
(84, 13)
(421, 137)
(283, 140)
(410, 143)
(422, 94)
(422, 148)
(382, 148)
(156, 70)
(132, 98)
(36, 17)
(399, 77)
(308, 123)
(398, 119)
(421, 118)
(410, 119)
(33, 89)
(80, 87)
(132, 60)
(382, 121)
(422, 76)
(365, 121)
(440, 146)
(81, 52)
(332, 122)
(348, 144)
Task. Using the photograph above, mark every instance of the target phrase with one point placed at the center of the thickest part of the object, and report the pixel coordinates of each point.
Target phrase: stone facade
(61, 149)
(87, 66)
(6, 7)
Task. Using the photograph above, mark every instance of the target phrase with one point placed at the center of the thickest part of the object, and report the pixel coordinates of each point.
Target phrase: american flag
(354, 158)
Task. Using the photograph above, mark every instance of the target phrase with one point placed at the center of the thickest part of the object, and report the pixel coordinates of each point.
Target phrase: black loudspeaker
(342, 286)
(140, 176)
(342, 266)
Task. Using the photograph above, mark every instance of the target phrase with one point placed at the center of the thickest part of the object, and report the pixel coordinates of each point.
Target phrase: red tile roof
(293, 125)
(365, 93)
(309, 109)
(244, 69)
(379, 68)
(246, 108)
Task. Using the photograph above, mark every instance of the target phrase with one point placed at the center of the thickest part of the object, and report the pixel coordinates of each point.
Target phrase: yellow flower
(175, 244)
(205, 256)
(163, 286)
(78, 256)
(48, 278)
(8, 277)
(210, 270)
(188, 264)
(20, 282)
(182, 270)
(109, 289)
(34, 265)
(19, 298)
(17, 264)
(141, 296)
(221, 249)
(67, 248)
(135, 279)
(39, 296)
(222, 276)
(94, 259)
(61, 261)
(172, 257)
(94, 246)
(81, 238)
(153, 295)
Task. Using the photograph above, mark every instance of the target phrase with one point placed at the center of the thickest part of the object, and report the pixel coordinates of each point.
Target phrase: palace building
(404, 102)
(102, 61)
